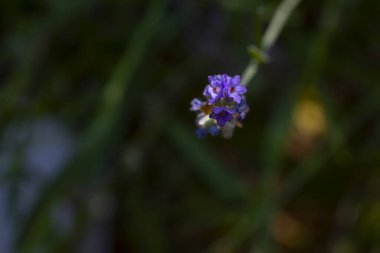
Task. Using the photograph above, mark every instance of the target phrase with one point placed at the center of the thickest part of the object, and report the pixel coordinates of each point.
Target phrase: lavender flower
(196, 105)
(213, 130)
(234, 89)
(222, 115)
(215, 89)
(242, 109)
(225, 108)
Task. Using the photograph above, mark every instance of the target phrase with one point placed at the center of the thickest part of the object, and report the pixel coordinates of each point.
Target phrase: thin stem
(249, 72)
(277, 23)
(274, 29)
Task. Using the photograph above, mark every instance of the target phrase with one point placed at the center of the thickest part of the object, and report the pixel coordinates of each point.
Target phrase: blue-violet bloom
(196, 105)
(215, 89)
(224, 109)
(234, 89)
(222, 115)
(213, 130)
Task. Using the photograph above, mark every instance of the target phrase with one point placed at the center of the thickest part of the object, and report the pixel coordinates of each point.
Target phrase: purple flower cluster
(224, 109)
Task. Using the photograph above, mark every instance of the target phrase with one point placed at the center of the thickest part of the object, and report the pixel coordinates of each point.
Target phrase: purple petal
(218, 110)
(235, 81)
(236, 97)
(222, 115)
(205, 91)
(240, 89)
(211, 79)
(195, 104)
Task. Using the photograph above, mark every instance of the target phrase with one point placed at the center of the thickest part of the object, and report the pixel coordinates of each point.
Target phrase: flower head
(225, 108)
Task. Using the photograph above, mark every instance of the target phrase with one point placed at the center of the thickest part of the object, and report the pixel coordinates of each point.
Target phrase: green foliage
(301, 176)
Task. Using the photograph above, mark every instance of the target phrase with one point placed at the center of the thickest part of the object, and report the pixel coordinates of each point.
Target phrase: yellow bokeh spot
(309, 118)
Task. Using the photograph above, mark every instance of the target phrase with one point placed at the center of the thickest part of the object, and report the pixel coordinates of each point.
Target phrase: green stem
(274, 29)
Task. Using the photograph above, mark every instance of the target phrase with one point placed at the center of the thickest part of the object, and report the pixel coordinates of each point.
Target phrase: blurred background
(97, 144)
